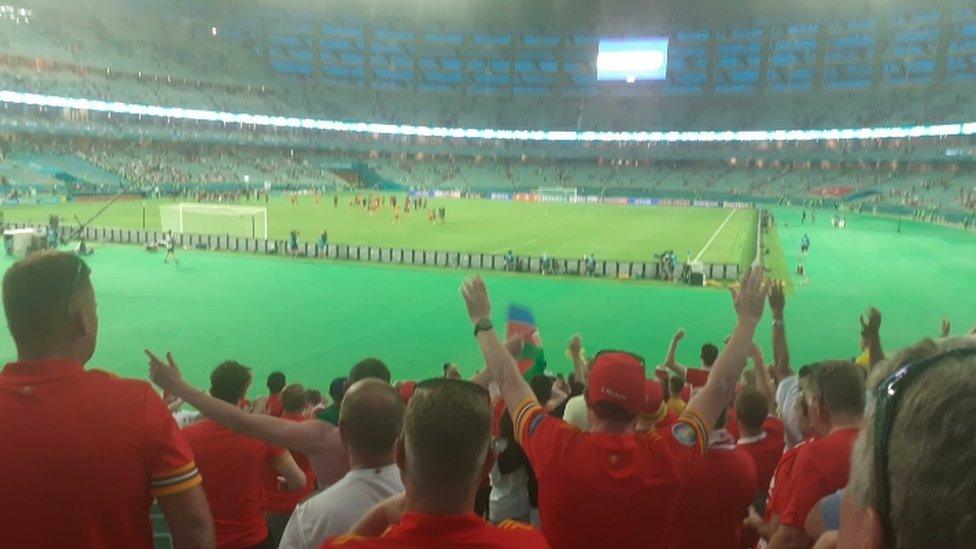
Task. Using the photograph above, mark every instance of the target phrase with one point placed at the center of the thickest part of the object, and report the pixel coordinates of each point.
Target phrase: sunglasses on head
(83, 272)
(888, 396)
(436, 382)
(636, 357)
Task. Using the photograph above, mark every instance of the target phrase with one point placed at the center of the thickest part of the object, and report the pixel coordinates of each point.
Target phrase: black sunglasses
(436, 382)
(888, 395)
(636, 357)
(83, 272)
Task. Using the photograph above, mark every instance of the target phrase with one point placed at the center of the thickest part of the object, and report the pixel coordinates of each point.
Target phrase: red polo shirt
(280, 500)
(606, 490)
(765, 450)
(715, 499)
(82, 455)
(417, 531)
(822, 467)
(274, 405)
(234, 468)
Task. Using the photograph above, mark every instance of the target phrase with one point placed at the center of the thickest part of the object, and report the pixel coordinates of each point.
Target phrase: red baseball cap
(617, 378)
(654, 393)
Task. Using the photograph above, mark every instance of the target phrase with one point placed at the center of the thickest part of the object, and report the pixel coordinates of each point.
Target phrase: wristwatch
(483, 325)
(779, 324)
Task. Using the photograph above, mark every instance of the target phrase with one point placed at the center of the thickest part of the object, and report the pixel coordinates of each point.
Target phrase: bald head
(50, 306)
(446, 435)
(371, 418)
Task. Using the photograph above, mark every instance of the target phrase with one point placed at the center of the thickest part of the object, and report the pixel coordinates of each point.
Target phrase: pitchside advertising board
(586, 199)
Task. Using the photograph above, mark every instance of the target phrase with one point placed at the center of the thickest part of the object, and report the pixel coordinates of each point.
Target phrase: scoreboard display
(632, 60)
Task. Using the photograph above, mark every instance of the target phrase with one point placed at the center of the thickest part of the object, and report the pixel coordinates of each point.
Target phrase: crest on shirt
(534, 423)
(685, 434)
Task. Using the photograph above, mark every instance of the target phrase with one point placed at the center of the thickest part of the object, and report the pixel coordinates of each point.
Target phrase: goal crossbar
(174, 217)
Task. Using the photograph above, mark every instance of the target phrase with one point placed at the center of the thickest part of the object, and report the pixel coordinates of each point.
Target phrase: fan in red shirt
(761, 435)
(834, 397)
(280, 502)
(83, 452)
(716, 497)
(611, 487)
(442, 455)
(234, 467)
(271, 404)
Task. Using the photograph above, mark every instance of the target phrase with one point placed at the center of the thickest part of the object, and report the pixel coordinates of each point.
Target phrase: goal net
(556, 194)
(249, 221)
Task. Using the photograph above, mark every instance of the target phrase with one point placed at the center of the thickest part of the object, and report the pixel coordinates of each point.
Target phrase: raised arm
(575, 351)
(871, 333)
(288, 469)
(763, 383)
(298, 436)
(669, 360)
(749, 301)
(499, 360)
(946, 327)
(781, 351)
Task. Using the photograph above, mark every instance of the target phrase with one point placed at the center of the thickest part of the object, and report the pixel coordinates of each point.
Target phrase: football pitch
(564, 230)
(313, 319)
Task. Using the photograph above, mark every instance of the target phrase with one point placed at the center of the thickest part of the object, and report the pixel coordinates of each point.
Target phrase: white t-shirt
(509, 493)
(575, 413)
(336, 509)
(786, 397)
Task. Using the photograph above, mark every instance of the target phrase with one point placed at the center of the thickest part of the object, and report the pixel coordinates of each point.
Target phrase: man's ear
(401, 455)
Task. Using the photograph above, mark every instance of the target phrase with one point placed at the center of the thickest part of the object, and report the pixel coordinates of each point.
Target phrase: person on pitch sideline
(611, 487)
(83, 452)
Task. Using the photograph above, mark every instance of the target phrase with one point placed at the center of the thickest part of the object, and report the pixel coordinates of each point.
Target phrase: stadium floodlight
(723, 136)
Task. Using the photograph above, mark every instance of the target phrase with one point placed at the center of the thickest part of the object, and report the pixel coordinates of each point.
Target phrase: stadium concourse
(287, 274)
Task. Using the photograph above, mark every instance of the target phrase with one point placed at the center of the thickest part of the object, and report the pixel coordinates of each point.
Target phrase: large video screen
(632, 60)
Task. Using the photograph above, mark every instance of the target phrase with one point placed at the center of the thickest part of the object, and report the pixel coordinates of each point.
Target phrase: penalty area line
(715, 235)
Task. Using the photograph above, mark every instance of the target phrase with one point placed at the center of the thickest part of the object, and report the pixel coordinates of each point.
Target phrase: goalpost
(556, 194)
(248, 221)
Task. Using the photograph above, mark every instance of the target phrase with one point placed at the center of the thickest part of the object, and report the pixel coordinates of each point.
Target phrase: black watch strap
(483, 325)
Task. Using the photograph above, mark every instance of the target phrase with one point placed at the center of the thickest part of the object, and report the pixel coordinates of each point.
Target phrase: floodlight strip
(729, 136)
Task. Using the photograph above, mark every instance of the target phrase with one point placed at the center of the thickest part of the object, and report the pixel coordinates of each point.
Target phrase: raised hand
(872, 325)
(946, 327)
(679, 335)
(750, 299)
(575, 345)
(164, 374)
(476, 299)
(777, 299)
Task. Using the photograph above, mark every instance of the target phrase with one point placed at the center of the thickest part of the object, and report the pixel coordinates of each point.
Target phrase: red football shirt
(765, 450)
(822, 467)
(273, 405)
(417, 531)
(234, 468)
(83, 453)
(606, 490)
(279, 500)
(715, 499)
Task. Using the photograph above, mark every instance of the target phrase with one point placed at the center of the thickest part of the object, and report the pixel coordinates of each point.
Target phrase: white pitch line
(712, 239)
(515, 247)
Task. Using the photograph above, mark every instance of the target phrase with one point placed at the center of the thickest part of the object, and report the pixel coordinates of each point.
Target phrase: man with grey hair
(912, 477)
(370, 421)
(833, 393)
(442, 455)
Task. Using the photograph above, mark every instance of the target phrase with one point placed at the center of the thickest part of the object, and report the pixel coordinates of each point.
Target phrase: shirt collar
(421, 524)
(720, 439)
(370, 471)
(752, 439)
(40, 370)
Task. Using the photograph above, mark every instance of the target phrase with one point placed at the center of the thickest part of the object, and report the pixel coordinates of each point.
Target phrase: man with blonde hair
(912, 477)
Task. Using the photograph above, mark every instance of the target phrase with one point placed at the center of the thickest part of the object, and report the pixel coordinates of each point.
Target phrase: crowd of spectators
(874, 451)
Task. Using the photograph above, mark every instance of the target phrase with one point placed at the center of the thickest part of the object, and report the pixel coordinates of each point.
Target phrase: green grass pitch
(484, 226)
(313, 319)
